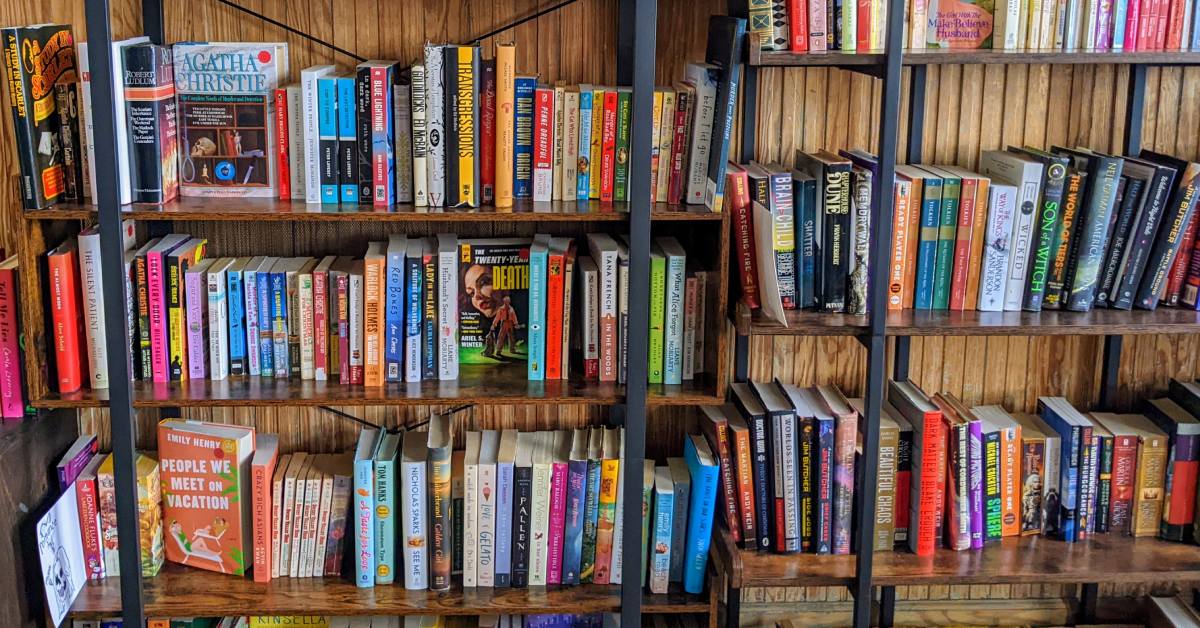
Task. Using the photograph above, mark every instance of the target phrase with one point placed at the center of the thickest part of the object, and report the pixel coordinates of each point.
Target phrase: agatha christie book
(493, 297)
(226, 103)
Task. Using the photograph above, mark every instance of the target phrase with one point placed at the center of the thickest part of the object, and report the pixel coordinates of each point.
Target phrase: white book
(297, 173)
(570, 143)
(993, 274)
(91, 285)
(324, 510)
(414, 325)
(120, 128)
(356, 317)
(539, 512)
(87, 121)
(622, 309)
(218, 320)
(312, 502)
(414, 517)
(277, 482)
(298, 503)
(471, 541)
(304, 293)
(253, 324)
(312, 145)
(1026, 175)
(703, 77)
(604, 252)
(1006, 19)
(702, 277)
(447, 283)
(559, 122)
(589, 308)
(435, 126)
(288, 519)
(402, 119)
(788, 469)
(420, 138)
(489, 450)
(673, 310)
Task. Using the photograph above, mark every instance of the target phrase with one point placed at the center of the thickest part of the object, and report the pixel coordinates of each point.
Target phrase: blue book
(805, 190)
(577, 468)
(347, 134)
(237, 317)
(931, 207)
(362, 517)
(1120, 12)
(279, 316)
(264, 344)
(1195, 43)
(536, 336)
(394, 306)
(523, 145)
(725, 38)
(701, 510)
(413, 321)
(327, 138)
(1061, 417)
(660, 546)
(823, 524)
(385, 508)
(505, 460)
(585, 141)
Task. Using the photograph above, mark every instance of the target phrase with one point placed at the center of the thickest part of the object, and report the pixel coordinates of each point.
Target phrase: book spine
(320, 322)
(364, 523)
(1046, 233)
(106, 493)
(901, 261)
(253, 327)
(260, 483)
(673, 321)
(1179, 269)
(554, 315)
(608, 147)
(440, 520)
(504, 524)
(471, 537)
(159, 340)
(324, 513)
(327, 142)
(1124, 477)
(743, 234)
(447, 314)
(658, 295)
(354, 336)
(485, 571)
(487, 134)
(591, 519)
(435, 125)
(596, 149)
(429, 333)
(836, 243)
(523, 115)
(923, 521)
(606, 520)
(1166, 246)
(657, 159)
(1142, 240)
(624, 129)
(1093, 235)
(823, 503)
(797, 13)
(607, 311)
(12, 391)
(89, 528)
(704, 79)
(573, 518)
(303, 324)
(660, 567)
(1149, 488)
(383, 138)
(997, 248)
(557, 524)
(729, 490)
(150, 113)
(282, 143)
(237, 322)
(353, 154)
(701, 506)
(91, 290)
(690, 311)
(585, 143)
(843, 482)
(467, 140)
(413, 322)
(420, 137)
(342, 308)
(402, 163)
(962, 245)
(373, 312)
(678, 146)
(726, 104)
(947, 222)
(818, 27)
(1104, 478)
(543, 144)
(885, 495)
(522, 511)
(66, 319)
(505, 129)
(218, 327)
(904, 487)
(265, 341)
(393, 323)
(1180, 496)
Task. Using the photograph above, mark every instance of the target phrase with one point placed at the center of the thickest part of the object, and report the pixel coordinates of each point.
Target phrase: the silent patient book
(206, 494)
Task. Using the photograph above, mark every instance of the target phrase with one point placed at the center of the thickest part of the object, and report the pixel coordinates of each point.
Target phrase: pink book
(817, 38)
(157, 297)
(195, 286)
(1133, 12)
(12, 403)
(558, 515)
(1104, 25)
(320, 284)
(343, 323)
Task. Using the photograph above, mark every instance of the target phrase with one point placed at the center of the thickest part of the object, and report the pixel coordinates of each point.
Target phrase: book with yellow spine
(467, 74)
(597, 142)
(373, 274)
(655, 129)
(506, 74)
(610, 475)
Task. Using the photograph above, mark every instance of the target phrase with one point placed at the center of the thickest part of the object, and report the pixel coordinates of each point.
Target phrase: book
(591, 514)
(385, 507)
(505, 123)
(447, 307)
(439, 442)
(435, 124)
(1182, 429)
(486, 508)
(1039, 477)
(538, 256)
(522, 508)
(845, 429)
(1075, 433)
(603, 249)
(364, 506)
(560, 453)
(704, 78)
(345, 165)
(470, 512)
(150, 110)
(834, 215)
(1001, 219)
(723, 51)
(1177, 214)
(506, 458)
(786, 408)
(523, 111)
(928, 462)
(754, 416)
(714, 424)
(664, 511)
(262, 468)
(1026, 175)
(703, 468)
(606, 522)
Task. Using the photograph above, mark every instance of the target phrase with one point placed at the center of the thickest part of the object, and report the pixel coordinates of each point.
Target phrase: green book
(943, 270)
(385, 507)
(621, 172)
(658, 306)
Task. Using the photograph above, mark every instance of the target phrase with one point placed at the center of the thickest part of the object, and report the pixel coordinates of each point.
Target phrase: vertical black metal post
(887, 606)
(120, 391)
(916, 139)
(152, 21)
(749, 109)
(626, 15)
(741, 357)
(644, 14)
(1089, 594)
(881, 237)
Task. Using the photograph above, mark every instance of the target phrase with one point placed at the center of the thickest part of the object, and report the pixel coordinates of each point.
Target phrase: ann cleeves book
(225, 93)
(205, 472)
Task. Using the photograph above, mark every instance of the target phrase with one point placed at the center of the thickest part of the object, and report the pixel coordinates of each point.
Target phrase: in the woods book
(206, 497)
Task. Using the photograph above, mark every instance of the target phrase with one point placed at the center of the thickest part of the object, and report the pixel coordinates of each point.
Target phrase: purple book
(558, 513)
(75, 459)
(196, 294)
(342, 485)
(975, 482)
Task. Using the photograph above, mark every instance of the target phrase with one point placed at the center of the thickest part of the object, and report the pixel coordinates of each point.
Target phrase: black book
(1068, 228)
(1046, 225)
(451, 139)
(726, 36)
(149, 81)
(760, 458)
(1176, 215)
(522, 507)
(362, 130)
(833, 213)
(429, 338)
(70, 139)
(781, 434)
(1129, 204)
(1094, 222)
(1104, 477)
(1155, 194)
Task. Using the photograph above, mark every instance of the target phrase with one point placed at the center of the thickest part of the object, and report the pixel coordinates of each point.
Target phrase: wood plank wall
(969, 109)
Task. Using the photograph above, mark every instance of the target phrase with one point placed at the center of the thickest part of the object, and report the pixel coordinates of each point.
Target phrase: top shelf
(274, 210)
(941, 56)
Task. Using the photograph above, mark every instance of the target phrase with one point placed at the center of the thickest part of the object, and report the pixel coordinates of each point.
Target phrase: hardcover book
(150, 109)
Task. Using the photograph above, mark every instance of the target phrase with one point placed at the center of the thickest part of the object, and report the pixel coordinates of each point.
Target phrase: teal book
(385, 508)
(658, 294)
(675, 262)
(327, 138)
(363, 523)
(664, 514)
(585, 142)
(927, 244)
(538, 273)
(347, 134)
(943, 270)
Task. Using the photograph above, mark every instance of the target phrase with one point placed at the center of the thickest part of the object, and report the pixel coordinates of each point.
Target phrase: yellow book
(176, 309)
(655, 128)
(149, 497)
(466, 195)
(610, 475)
(506, 74)
(666, 133)
(597, 143)
(373, 274)
(271, 621)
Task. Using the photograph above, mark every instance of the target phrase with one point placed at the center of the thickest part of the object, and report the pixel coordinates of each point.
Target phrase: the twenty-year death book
(493, 300)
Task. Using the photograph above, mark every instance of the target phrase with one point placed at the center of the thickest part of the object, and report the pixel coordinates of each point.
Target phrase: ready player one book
(493, 300)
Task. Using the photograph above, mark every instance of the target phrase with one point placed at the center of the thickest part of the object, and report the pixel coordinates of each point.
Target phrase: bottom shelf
(179, 591)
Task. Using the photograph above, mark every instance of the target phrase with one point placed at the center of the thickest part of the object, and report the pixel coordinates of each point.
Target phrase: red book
(962, 245)
(487, 133)
(1179, 269)
(798, 19)
(1132, 21)
(1124, 479)
(342, 305)
(262, 468)
(12, 390)
(608, 146)
(382, 177)
(1174, 35)
(63, 266)
(715, 426)
(863, 23)
(554, 306)
(1163, 16)
(683, 111)
(320, 287)
(284, 181)
(742, 456)
(904, 476)
(89, 518)
(929, 442)
(738, 188)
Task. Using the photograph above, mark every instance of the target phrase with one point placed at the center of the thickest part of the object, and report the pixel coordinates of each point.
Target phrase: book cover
(1177, 214)
(150, 110)
(523, 110)
(262, 468)
(364, 507)
(704, 78)
(441, 539)
(723, 50)
(960, 24)
(536, 337)
(928, 462)
(702, 504)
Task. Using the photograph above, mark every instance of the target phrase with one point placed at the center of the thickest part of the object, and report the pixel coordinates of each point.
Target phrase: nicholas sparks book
(493, 294)
(226, 103)
(205, 471)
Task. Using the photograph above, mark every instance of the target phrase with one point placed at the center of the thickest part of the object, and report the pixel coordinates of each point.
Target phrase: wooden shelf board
(266, 209)
(478, 384)
(1164, 320)
(935, 56)
(750, 568)
(181, 591)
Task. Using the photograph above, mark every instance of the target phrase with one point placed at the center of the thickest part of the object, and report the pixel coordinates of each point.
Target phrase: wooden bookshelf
(750, 568)
(938, 56)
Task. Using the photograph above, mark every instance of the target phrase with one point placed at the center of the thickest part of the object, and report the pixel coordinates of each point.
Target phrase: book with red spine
(66, 316)
(715, 426)
(262, 467)
(743, 233)
(283, 170)
(929, 464)
(543, 144)
(487, 133)
(1124, 471)
(1183, 261)
(1163, 17)
(1133, 13)
(608, 146)
(1175, 14)
(862, 36)
(743, 463)
(962, 243)
(797, 11)
(341, 306)
(683, 113)
(89, 518)
(12, 388)
(555, 315)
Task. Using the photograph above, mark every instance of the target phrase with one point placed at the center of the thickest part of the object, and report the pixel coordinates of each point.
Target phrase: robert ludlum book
(225, 94)
(150, 122)
(493, 297)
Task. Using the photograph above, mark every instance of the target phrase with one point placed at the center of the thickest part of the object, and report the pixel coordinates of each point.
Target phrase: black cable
(520, 21)
(292, 30)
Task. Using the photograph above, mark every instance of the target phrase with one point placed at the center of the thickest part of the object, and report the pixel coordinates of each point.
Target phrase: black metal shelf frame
(636, 34)
(875, 342)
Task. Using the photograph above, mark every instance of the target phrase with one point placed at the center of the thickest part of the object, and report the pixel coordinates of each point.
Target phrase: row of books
(594, 620)
(451, 130)
(960, 477)
(1129, 25)
(410, 309)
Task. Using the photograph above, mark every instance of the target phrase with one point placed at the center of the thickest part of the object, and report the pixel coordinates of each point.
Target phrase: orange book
(506, 75)
(968, 211)
(913, 230)
(554, 306)
(902, 255)
(206, 498)
(262, 468)
(977, 238)
(373, 280)
(63, 265)
(714, 424)
(739, 440)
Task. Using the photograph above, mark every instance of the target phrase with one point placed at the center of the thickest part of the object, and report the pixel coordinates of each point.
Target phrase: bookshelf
(887, 335)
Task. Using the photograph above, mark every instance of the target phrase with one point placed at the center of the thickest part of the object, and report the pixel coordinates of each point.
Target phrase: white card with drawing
(60, 550)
